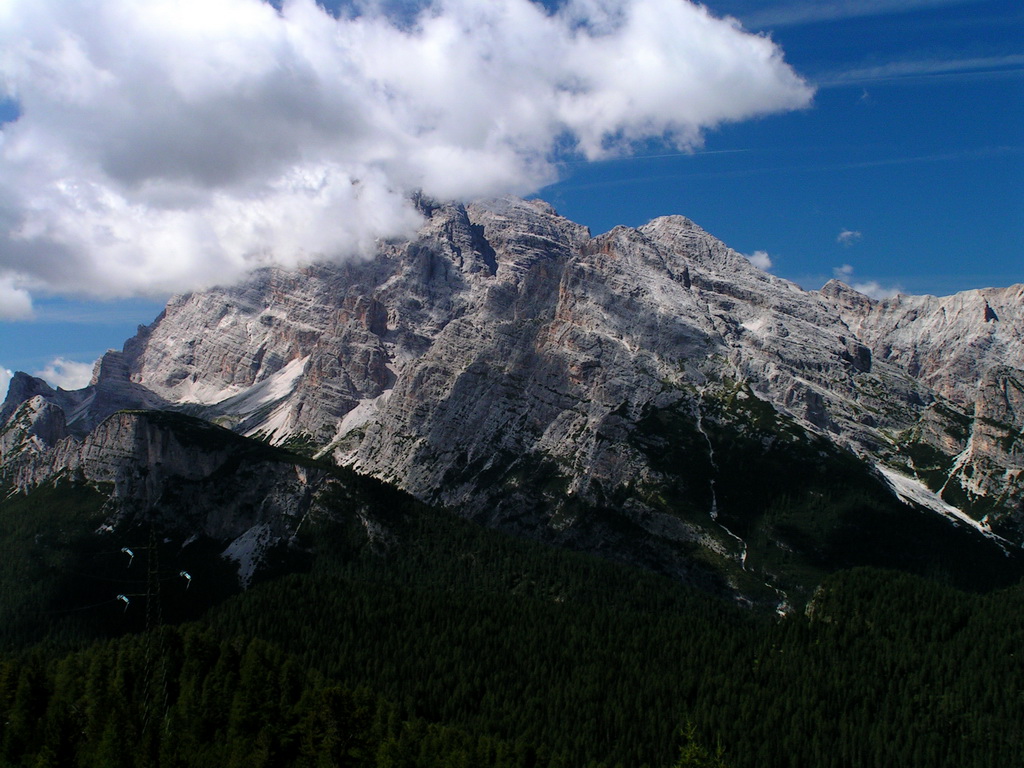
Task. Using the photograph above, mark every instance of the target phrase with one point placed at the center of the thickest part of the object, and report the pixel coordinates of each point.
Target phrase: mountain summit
(647, 394)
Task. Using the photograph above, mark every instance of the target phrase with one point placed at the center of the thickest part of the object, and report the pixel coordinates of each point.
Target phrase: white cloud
(871, 288)
(848, 237)
(875, 290)
(5, 379)
(844, 272)
(15, 302)
(761, 260)
(171, 144)
(66, 374)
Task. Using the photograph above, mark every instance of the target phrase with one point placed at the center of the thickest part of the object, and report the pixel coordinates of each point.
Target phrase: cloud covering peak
(172, 144)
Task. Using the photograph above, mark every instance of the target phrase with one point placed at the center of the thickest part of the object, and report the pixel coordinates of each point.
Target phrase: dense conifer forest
(444, 644)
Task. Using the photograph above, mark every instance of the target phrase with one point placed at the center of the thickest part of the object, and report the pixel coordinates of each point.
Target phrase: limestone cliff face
(508, 364)
(184, 473)
(83, 409)
(35, 426)
(969, 350)
(948, 343)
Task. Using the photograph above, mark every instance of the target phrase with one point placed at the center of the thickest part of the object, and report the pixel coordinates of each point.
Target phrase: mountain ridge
(506, 364)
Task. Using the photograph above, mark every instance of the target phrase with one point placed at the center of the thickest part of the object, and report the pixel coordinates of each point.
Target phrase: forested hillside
(452, 645)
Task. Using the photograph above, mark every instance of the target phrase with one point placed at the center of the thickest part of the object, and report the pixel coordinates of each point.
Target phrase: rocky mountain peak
(35, 426)
(508, 365)
(22, 388)
(849, 299)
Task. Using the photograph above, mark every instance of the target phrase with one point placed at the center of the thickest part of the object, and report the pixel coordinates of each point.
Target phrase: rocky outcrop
(189, 478)
(187, 474)
(967, 349)
(110, 391)
(21, 389)
(35, 426)
(948, 343)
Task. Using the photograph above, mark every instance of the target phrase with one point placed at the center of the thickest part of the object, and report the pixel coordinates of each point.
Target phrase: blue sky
(904, 172)
(915, 140)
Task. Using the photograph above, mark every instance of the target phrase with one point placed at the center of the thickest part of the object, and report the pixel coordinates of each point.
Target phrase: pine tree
(693, 754)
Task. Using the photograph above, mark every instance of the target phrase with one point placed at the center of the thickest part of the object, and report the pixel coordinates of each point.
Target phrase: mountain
(647, 394)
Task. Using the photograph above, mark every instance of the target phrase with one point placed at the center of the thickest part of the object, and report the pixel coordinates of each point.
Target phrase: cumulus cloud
(843, 273)
(15, 302)
(66, 374)
(871, 288)
(875, 290)
(761, 260)
(848, 237)
(5, 379)
(172, 144)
